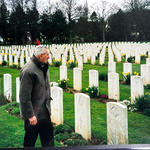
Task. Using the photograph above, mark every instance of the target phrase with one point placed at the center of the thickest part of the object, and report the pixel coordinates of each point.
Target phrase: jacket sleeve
(26, 85)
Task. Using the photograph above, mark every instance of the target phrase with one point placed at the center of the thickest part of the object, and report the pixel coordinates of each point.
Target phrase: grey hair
(40, 50)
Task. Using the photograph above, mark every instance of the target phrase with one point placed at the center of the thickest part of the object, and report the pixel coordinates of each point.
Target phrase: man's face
(44, 57)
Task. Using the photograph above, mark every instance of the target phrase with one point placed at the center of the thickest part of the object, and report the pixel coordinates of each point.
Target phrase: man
(35, 99)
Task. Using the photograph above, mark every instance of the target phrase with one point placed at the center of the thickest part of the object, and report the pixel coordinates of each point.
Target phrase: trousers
(44, 128)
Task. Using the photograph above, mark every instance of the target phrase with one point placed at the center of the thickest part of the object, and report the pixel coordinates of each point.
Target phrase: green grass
(11, 128)
(12, 131)
(14, 73)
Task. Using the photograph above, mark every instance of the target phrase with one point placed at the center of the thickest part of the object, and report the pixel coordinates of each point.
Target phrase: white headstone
(94, 79)
(149, 54)
(21, 61)
(5, 57)
(15, 60)
(145, 73)
(8, 86)
(17, 89)
(27, 59)
(137, 59)
(93, 60)
(1, 58)
(63, 72)
(57, 105)
(148, 61)
(80, 63)
(50, 59)
(127, 67)
(10, 60)
(101, 59)
(137, 87)
(83, 115)
(64, 59)
(111, 66)
(85, 58)
(113, 86)
(117, 124)
(77, 79)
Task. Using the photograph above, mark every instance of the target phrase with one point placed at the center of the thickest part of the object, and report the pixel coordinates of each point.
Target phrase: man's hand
(33, 120)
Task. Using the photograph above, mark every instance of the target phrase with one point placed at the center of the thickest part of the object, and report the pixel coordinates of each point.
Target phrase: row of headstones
(23, 55)
(85, 58)
(127, 68)
(136, 50)
(117, 120)
(137, 86)
(60, 52)
(18, 47)
(137, 82)
(92, 51)
(131, 49)
(56, 53)
(8, 55)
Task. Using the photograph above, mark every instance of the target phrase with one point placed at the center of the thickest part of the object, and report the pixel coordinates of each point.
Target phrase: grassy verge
(11, 128)
(12, 131)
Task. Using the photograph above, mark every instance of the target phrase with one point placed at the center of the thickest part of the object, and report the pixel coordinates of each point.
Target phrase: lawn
(11, 127)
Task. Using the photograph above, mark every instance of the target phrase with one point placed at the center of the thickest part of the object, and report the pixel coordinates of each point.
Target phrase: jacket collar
(40, 65)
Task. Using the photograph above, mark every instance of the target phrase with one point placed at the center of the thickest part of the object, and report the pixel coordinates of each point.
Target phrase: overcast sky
(91, 3)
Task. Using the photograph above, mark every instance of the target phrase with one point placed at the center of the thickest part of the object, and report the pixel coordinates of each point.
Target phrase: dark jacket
(34, 89)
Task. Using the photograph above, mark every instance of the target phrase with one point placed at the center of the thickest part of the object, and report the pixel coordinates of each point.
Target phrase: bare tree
(49, 7)
(136, 4)
(104, 9)
(1, 2)
(70, 7)
(14, 3)
(137, 10)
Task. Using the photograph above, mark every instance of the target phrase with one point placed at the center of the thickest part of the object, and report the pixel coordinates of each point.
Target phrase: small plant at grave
(12, 108)
(62, 128)
(92, 91)
(63, 83)
(126, 77)
(13, 66)
(130, 107)
(4, 63)
(3, 100)
(18, 66)
(143, 57)
(103, 76)
(65, 135)
(61, 137)
(84, 90)
(142, 103)
(147, 86)
(57, 63)
(130, 59)
(15, 111)
(136, 73)
(75, 142)
(71, 64)
(123, 55)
